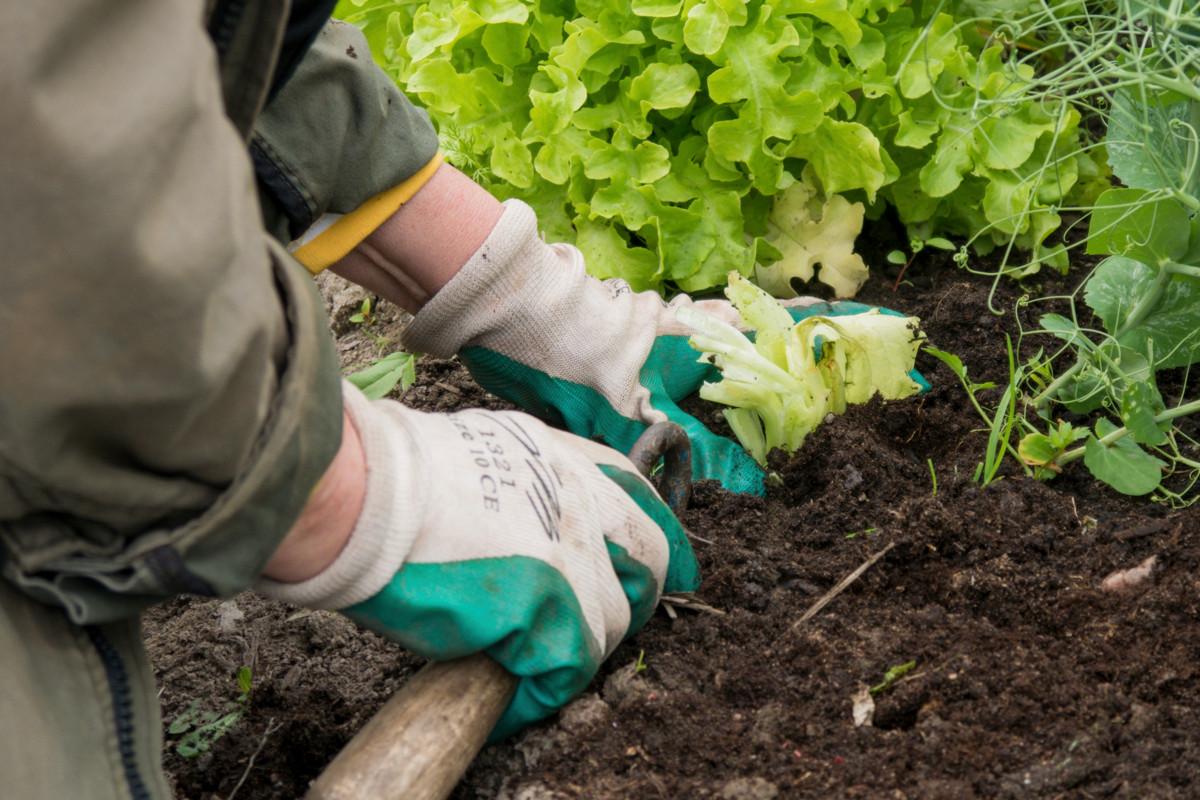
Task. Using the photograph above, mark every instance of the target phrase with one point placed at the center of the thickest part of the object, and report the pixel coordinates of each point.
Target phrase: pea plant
(1133, 66)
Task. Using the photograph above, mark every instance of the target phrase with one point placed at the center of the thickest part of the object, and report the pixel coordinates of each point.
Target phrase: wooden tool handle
(424, 738)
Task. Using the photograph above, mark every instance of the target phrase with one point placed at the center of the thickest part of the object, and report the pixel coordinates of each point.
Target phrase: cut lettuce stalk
(781, 385)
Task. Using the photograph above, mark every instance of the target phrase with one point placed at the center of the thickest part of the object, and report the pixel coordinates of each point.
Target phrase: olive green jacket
(168, 390)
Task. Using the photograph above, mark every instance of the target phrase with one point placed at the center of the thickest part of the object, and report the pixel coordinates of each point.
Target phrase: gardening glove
(488, 531)
(593, 357)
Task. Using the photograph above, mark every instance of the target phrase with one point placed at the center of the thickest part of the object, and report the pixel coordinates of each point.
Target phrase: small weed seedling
(863, 532)
(366, 312)
(201, 728)
(915, 246)
(1000, 422)
(892, 675)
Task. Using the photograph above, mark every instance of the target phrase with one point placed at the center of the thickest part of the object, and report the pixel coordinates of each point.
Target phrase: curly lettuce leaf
(808, 230)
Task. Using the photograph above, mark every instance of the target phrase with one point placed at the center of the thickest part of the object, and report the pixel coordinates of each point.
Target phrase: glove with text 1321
(487, 531)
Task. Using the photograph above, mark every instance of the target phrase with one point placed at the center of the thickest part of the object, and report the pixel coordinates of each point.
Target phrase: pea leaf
(1140, 224)
(1146, 142)
(1037, 450)
(1171, 334)
(1065, 329)
(1140, 404)
(1085, 394)
(1122, 465)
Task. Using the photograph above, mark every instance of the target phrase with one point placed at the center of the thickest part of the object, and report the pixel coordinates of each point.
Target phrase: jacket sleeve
(168, 390)
(339, 139)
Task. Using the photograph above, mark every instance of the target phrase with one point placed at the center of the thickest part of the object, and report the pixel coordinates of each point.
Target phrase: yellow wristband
(333, 243)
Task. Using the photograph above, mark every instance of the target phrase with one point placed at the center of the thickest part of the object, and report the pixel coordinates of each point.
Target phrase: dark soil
(1029, 681)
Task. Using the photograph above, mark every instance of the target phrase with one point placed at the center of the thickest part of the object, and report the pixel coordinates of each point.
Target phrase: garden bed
(1029, 680)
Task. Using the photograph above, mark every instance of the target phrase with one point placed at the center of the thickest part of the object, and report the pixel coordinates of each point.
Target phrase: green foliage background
(656, 134)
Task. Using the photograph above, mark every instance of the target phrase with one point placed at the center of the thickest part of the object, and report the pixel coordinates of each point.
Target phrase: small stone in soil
(1132, 580)
(228, 616)
(532, 791)
(749, 789)
(584, 714)
(535, 744)
(625, 686)
(766, 724)
(851, 477)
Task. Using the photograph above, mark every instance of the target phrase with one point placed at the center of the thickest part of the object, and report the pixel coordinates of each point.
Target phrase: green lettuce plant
(781, 384)
(669, 139)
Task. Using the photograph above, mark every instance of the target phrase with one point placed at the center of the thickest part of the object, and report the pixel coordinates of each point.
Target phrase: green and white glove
(591, 356)
(488, 531)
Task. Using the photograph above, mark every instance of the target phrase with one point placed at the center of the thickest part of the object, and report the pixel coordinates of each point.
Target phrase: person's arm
(426, 242)
(349, 166)
(328, 518)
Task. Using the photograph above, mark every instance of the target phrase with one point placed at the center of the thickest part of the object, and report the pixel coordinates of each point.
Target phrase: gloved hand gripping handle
(421, 742)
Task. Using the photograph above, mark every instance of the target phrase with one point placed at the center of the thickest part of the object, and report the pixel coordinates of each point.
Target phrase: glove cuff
(482, 294)
(393, 507)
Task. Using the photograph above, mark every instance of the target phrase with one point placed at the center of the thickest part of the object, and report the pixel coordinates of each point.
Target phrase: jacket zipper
(118, 687)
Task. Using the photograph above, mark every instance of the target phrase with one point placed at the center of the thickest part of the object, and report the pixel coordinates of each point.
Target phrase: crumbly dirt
(1029, 680)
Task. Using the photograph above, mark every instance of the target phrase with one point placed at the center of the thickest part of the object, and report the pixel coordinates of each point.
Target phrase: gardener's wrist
(329, 517)
(416, 252)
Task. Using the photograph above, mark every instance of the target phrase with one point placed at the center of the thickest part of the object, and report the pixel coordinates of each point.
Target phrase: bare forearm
(423, 245)
(328, 519)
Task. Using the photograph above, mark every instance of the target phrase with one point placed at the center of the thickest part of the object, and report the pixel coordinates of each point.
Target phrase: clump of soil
(1030, 681)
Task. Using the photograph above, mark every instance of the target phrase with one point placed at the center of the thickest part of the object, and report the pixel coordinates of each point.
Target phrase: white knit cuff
(485, 290)
(388, 524)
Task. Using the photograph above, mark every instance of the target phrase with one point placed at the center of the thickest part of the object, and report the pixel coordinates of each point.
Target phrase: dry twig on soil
(271, 728)
(686, 600)
(841, 586)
